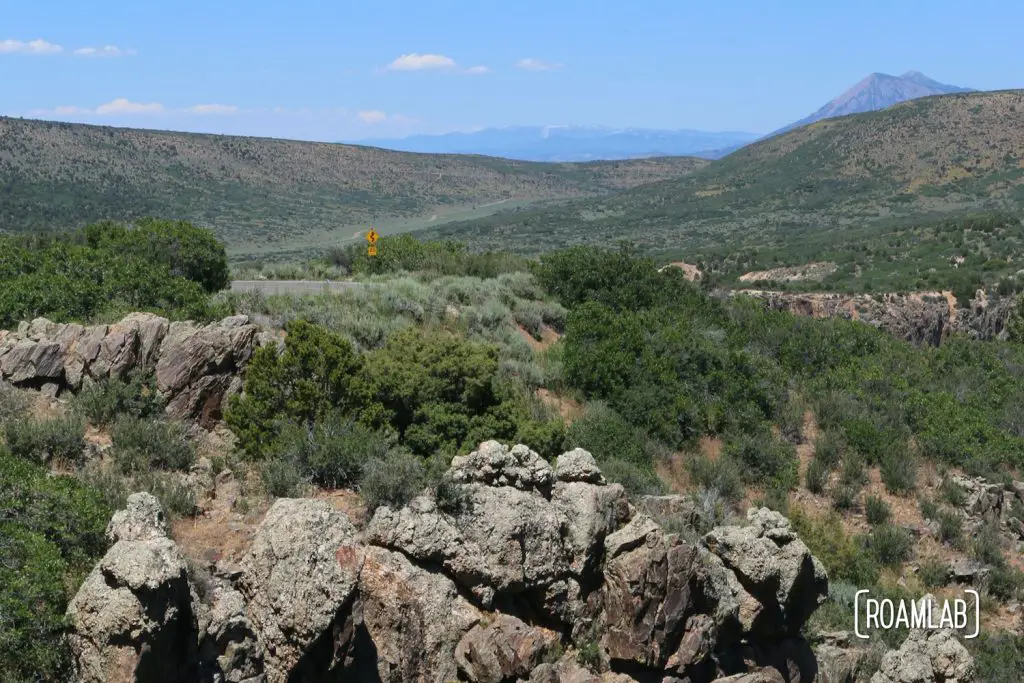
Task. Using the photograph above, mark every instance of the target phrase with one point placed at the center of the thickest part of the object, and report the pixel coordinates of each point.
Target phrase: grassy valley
(914, 162)
(262, 194)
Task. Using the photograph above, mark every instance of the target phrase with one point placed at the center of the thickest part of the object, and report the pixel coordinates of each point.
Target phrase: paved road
(291, 286)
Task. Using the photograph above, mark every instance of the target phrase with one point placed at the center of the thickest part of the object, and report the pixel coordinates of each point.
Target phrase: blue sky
(322, 70)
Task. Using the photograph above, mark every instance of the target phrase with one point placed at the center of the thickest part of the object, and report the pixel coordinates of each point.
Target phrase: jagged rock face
(507, 581)
(519, 537)
(133, 614)
(196, 366)
(927, 656)
(922, 318)
(503, 649)
(413, 616)
(299, 574)
(778, 583)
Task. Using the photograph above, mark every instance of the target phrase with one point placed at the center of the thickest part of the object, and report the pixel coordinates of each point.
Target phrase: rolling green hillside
(923, 159)
(263, 194)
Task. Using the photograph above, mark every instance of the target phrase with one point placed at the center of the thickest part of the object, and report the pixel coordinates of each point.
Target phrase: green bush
(51, 533)
(844, 497)
(722, 475)
(109, 269)
(59, 438)
(899, 472)
(282, 478)
(14, 403)
(763, 458)
(998, 657)
(853, 474)
(876, 510)
(929, 508)
(987, 547)
(393, 480)
(317, 373)
(606, 435)
(844, 557)
(638, 480)
(952, 493)
(333, 450)
(830, 448)
(951, 527)
(1004, 582)
(103, 402)
(934, 573)
(890, 544)
(140, 445)
(816, 476)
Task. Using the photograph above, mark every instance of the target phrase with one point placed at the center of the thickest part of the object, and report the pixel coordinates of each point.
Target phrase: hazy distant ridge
(568, 143)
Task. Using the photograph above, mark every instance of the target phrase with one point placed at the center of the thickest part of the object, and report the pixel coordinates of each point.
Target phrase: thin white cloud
(372, 116)
(418, 62)
(124, 106)
(32, 47)
(531, 64)
(105, 51)
(212, 109)
(477, 71)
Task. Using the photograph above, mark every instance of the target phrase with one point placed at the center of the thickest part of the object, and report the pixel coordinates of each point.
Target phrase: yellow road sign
(372, 236)
(371, 250)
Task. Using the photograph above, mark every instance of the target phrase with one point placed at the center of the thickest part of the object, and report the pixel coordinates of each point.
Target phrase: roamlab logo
(887, 614)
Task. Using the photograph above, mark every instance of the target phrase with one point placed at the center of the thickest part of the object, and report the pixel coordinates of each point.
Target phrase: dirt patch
(225, 529)
(690, 271)
(547, 337)
(348, 502)
(568, 409)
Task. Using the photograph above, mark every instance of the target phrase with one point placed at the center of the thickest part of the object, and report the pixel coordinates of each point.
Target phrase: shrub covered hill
(898, 466)
(263, 192)
(928, 158)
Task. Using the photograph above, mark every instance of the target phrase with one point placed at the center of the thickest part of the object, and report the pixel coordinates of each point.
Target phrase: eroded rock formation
(196, 366)
(515, 571)
(918, 317)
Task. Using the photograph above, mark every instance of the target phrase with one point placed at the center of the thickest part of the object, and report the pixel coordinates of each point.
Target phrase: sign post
(372, 238)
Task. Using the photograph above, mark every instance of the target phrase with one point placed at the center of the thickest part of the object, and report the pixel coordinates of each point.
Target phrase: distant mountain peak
(878, 91)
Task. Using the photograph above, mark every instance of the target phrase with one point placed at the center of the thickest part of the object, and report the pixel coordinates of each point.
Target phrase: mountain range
(568, 143)
(575, 143)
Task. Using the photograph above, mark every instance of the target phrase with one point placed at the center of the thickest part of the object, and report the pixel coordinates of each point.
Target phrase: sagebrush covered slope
(60, 175)
(929, 156)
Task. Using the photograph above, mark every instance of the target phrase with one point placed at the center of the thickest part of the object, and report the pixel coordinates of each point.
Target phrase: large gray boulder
(299, 574)
(142, 519)
(230, 651)
(516, 534)
(928, 656)
(132, 618)
(495, 464)
(775, 578)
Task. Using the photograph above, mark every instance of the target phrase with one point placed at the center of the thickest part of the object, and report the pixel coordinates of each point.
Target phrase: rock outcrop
(927, 655)
(516, 571)
(133, 614)
(196, 366)
(299, 574)
(918, 317)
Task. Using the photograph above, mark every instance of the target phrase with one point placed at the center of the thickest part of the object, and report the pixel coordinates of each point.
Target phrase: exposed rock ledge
(519, 568)
(918, 317)
(196, 366)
